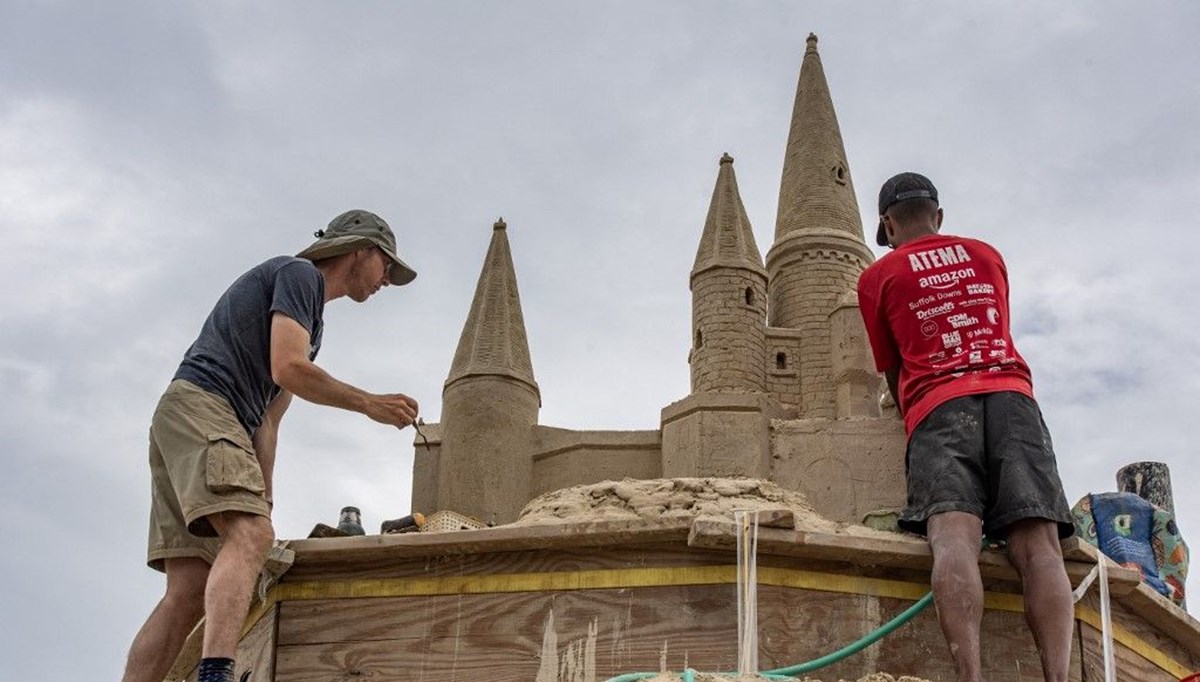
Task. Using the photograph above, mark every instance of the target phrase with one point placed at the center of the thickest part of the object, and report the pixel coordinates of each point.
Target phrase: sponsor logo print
(980, 289)
(993, 315)
(983, 300)
(935, 311)
(924, 300)
(929, 328)
(951, 339)
(962, 320)
(938, 258)
(945, 280)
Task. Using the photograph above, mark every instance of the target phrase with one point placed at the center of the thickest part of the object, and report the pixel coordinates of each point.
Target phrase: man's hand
(396, 409)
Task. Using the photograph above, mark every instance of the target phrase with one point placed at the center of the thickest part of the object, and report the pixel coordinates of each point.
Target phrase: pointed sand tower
(721, 428)
(729, 287)
(490, 405)
(819, 249)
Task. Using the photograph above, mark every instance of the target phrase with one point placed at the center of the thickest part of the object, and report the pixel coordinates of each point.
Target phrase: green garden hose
(828, 659)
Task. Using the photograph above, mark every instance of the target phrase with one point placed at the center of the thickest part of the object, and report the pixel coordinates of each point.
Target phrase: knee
(250, 533)
(955, 549)
(1033, 543)
(186, 582)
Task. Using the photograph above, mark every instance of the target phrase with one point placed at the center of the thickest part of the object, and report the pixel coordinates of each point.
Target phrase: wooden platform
(586, 602)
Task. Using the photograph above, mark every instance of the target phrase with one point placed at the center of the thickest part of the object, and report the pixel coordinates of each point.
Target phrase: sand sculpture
(783, 388)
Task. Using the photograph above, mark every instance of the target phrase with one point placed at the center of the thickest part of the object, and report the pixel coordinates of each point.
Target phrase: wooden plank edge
(891, 552)
(189, 654)
(1162, 614)
(318, 551)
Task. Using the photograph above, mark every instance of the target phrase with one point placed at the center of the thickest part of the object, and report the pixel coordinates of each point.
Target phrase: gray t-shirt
(232, 355)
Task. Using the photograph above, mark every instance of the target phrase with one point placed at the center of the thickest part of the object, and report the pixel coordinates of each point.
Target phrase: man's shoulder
(280, 262)
(877, 269)
(973, 242)
(291, 266)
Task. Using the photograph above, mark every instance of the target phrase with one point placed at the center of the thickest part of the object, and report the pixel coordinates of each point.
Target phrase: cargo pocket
(232, 467)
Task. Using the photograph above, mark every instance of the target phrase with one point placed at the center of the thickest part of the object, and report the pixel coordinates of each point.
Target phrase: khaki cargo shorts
(201, 462)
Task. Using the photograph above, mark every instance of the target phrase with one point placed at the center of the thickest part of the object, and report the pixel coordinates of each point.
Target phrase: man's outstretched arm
(294, 372)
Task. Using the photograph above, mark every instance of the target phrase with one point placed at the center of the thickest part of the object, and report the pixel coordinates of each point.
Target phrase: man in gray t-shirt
(213, 435)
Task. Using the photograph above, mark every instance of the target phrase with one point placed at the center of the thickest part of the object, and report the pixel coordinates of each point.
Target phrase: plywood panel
(255, 653)
(1147, 635)
(458, 637)
(798, 626)
(1129, 665)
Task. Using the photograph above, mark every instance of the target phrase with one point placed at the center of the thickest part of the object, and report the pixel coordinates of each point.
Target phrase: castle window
(749, 295)
(699, 339)
(781, 361)
(839, 173)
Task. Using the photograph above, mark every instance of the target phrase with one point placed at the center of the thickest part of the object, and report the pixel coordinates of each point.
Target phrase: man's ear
(937, 225)
(889, 228)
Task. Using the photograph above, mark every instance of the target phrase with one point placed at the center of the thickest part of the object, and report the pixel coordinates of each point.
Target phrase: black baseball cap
(899, 188)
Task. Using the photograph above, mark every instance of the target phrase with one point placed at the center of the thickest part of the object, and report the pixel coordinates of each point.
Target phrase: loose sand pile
(710, 677)
(667, 498)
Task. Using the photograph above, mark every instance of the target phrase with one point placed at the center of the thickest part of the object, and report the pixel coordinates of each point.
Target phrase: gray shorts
(989, 455)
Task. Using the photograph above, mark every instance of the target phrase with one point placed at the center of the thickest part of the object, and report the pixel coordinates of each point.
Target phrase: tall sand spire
(819, 249)
(816, 189)
(493, 340)
(490, 401)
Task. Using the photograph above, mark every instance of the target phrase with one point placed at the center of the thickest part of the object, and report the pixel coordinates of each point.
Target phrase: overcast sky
(150, 152)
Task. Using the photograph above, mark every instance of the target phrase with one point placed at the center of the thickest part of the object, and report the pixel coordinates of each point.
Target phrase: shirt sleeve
(297, 294)
(879, 332)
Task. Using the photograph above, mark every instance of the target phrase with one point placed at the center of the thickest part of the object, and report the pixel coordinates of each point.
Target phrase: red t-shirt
(937, 307)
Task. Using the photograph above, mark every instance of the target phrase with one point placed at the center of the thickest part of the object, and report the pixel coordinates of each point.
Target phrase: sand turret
(729, 296)
(819, 249)
(490, 401)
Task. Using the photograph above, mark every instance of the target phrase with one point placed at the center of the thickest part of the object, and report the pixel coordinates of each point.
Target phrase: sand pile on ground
(667, 498)
(711, 677)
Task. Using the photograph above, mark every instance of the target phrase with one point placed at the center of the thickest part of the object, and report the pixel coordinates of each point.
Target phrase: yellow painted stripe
(603, 579)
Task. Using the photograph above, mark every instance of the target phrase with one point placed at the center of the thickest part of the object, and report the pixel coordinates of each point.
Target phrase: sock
(215, 670)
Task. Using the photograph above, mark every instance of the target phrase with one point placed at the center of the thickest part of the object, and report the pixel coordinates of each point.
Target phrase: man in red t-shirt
(979, 458)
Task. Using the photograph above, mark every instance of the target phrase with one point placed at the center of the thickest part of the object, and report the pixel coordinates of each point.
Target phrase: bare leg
(158, 642)
(1034, 549)
(954, 538)
(245, 540)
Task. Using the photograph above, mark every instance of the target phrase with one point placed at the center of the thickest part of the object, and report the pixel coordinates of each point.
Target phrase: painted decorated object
(1136, 534)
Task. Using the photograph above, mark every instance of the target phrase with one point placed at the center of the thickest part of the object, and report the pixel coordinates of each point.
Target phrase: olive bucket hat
(357, 229)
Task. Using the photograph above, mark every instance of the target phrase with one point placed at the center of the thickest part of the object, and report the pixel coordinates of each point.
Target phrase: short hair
(913, 210)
